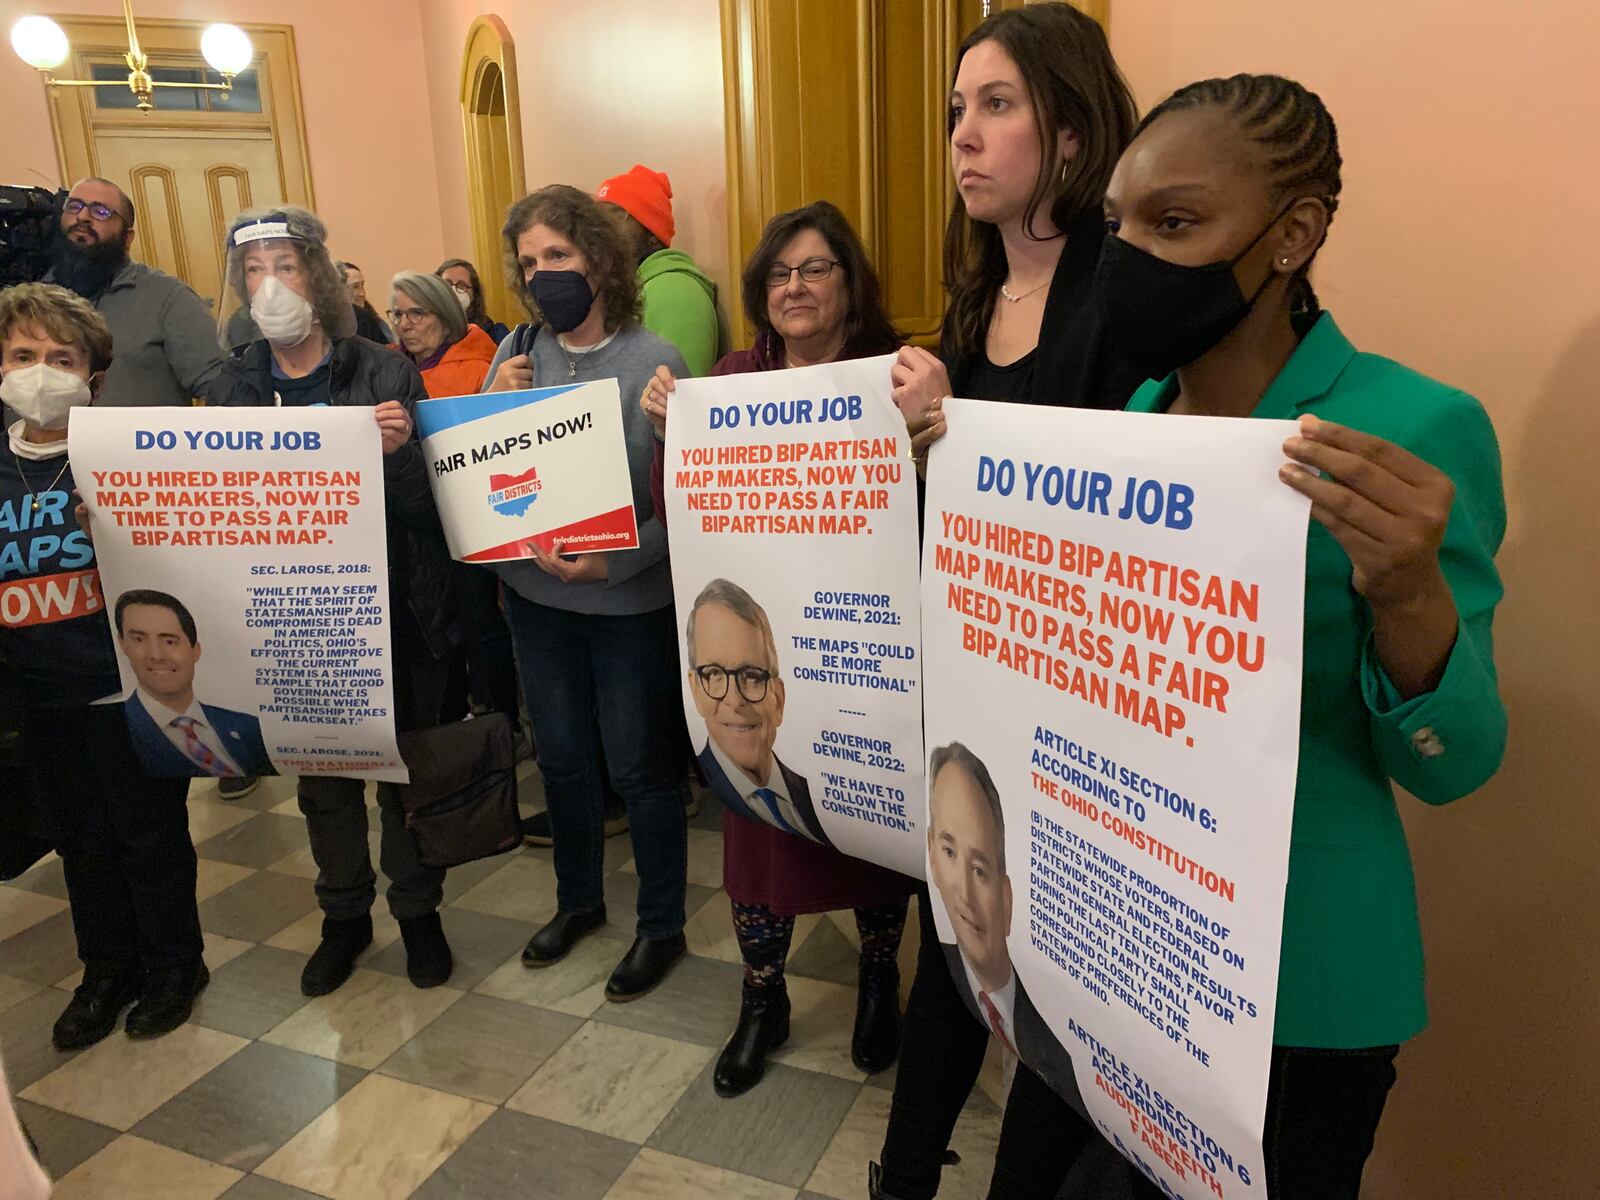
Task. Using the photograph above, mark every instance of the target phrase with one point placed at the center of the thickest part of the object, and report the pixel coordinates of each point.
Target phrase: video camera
(28, 220)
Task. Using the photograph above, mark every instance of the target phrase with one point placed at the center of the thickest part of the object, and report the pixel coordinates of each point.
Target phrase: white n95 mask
(43, 395)
(283, 317)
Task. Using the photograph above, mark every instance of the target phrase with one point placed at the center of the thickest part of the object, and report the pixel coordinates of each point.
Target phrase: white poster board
(541, 466)
(243, 557)
(792, 512)
(1112, 622)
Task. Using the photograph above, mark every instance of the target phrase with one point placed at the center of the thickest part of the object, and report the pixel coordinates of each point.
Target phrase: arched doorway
(491, 114)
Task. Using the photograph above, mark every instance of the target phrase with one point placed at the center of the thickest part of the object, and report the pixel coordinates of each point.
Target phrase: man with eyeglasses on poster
(165, 335)
(738, 691)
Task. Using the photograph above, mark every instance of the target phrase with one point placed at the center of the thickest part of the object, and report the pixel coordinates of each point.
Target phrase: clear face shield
(259, 250)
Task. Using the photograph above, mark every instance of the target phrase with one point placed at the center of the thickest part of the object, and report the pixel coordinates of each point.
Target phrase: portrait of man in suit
(738, 692)
(173, 732)
(967, 867)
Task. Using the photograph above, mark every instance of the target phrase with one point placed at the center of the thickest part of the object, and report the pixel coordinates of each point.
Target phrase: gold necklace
(35, 491)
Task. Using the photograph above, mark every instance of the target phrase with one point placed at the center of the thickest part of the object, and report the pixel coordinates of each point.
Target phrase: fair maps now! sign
(512, 470)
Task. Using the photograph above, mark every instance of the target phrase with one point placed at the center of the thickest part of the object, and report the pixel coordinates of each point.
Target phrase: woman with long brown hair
(1039, 114)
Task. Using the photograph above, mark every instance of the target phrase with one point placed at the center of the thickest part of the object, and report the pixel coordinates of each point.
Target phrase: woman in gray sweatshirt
(594, 633)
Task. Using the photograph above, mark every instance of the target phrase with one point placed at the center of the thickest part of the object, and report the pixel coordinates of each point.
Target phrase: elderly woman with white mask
(278, 265)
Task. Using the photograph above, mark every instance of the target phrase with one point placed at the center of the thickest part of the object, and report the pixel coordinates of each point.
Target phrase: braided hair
(1296, 133)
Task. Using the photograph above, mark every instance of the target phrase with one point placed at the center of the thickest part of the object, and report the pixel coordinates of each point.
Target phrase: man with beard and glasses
(165, 335)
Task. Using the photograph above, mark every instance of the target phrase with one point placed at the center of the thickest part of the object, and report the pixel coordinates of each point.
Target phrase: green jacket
(1351, 972)
(680, 305)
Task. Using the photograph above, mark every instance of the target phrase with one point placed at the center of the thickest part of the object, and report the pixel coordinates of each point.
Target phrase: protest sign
(1110, 825)
(792, 510)
(541, 466)
(244, 563)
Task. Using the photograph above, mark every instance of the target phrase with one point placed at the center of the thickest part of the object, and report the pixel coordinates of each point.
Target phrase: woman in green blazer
(1217, 209)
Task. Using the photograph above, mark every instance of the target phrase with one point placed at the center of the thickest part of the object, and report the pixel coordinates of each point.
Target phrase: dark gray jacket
(421, 580)
(164, 347)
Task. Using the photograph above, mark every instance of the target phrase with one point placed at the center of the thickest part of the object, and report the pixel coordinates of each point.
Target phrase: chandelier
(42, 44)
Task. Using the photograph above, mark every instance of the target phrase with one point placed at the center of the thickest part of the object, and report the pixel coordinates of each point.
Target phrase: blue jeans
(575, 667)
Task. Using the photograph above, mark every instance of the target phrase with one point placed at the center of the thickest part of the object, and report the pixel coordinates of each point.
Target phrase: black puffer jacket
(419, 563)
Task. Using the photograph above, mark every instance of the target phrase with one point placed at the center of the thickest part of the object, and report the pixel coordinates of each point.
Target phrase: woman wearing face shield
(278, 266)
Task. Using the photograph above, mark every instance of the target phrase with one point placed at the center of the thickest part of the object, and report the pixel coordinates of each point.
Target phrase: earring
(1063, 172)
(1284, 261)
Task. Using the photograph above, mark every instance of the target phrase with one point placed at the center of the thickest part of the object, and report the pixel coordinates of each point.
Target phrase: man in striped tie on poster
(173, 732)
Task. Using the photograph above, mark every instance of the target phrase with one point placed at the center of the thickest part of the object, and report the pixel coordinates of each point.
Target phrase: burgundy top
(760, 864)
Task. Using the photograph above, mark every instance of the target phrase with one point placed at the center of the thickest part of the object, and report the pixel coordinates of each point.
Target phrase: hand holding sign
(920, 386)
(1388, 510)
(513, 375)
(394, 424)
(654, 401)
(578, 568)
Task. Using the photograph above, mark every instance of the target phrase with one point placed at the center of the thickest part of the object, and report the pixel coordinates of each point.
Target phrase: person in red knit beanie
(680, 301)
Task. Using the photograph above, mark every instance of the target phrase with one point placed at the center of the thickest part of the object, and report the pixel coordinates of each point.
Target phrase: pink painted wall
(367, 117)
(604, 85)
(1465, 246)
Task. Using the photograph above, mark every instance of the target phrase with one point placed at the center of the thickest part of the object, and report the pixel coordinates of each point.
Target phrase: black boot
(95, 1006)
(763, 1027)
(875, 1183)
(335, 958)
(559, 935)
(644, 966)
(876, 1042)
(428, 958)
(169, 996)
(875, 1176)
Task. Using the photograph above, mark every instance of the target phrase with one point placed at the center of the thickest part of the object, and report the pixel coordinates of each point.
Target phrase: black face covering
(563, 297)
(87, 270)
(1162, 315)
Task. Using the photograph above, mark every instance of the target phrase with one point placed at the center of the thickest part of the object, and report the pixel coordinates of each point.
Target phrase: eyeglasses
(463, 289)
(99, 212)
(413, 315)
(751, 681)
(813, 270)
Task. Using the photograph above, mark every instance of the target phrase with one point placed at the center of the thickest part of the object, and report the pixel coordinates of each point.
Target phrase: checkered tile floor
(505, 1083)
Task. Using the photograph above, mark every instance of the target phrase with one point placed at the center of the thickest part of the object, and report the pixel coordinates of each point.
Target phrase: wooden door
(194, 162)
(844, 100)
(187, 188)
(817, 93)
(491, 115)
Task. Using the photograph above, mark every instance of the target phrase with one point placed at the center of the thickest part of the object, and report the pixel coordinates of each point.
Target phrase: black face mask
(563, 297)
(1162, 315)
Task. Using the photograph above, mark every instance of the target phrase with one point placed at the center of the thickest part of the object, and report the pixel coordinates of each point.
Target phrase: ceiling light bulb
(39, 42)
(227, 48)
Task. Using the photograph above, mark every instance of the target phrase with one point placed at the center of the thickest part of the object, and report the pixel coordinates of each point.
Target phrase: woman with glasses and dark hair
(596, 646)
(812, 297)
(1039, 114)
(467, 288)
